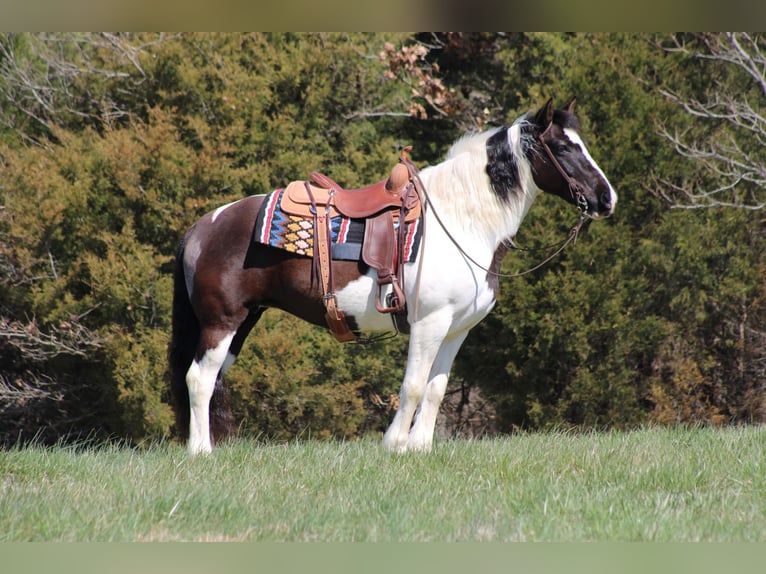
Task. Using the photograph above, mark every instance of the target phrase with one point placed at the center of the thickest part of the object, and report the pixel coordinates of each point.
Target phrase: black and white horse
(477, 199)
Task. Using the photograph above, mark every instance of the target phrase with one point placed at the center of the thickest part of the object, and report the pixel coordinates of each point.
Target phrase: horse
(476, 200)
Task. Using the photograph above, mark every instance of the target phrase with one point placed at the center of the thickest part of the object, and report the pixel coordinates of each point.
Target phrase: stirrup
(395, 300)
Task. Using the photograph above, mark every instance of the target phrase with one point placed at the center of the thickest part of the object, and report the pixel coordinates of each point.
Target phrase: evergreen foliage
(111, 145)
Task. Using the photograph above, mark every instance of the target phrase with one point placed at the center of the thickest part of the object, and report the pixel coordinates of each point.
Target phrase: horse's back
(226, 226)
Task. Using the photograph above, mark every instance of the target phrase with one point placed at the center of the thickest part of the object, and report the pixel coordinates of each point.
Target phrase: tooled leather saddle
(385, 206)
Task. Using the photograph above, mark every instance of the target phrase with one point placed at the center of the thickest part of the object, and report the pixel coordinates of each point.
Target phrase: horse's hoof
(394, 445)
(201, 449)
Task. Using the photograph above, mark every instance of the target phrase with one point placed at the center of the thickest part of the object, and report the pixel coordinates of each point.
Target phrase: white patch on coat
(220, 210)
(192, 251)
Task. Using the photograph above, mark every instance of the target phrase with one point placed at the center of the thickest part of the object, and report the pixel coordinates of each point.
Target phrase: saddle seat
(359, 203)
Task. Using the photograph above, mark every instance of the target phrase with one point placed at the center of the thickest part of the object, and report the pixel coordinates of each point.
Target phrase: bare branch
(69, 338)
(408, 65)
(731, 151)
(371, 114)
(43, 81)
(17, 392)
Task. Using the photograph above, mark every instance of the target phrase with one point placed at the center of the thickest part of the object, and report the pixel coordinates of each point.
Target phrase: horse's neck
(467, 205)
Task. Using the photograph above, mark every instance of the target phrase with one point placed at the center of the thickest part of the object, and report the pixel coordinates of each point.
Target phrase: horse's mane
(475, 142)
(463, 184)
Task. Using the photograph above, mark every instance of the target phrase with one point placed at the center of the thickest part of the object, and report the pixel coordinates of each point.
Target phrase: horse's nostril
(606, 199)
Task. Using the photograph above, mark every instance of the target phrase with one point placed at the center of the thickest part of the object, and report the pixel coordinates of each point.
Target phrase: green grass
(647, 485)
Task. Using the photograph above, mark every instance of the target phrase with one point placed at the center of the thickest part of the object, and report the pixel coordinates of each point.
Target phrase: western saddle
(385, 206)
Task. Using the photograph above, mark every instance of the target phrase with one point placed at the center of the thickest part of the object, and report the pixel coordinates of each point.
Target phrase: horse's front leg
(426, 338)
(422, 434)
(211, 358)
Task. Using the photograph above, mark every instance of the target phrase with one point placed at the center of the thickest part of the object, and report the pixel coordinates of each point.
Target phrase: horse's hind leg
(209, 408)
(201, 378)
(221, 418)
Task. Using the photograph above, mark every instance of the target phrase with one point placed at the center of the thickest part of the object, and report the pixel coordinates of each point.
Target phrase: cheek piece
(575, 189)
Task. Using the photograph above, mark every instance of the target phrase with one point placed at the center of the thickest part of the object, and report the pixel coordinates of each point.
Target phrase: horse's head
(563, 166)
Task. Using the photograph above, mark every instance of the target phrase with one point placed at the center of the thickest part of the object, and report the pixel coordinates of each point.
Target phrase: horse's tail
(182, 346)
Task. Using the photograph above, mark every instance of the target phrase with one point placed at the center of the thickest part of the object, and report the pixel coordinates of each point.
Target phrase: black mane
(502, 165)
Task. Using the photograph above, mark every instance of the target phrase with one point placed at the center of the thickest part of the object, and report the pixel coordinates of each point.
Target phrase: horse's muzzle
(604, 204)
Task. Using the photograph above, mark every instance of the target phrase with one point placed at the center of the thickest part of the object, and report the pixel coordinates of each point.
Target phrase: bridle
(574, 188)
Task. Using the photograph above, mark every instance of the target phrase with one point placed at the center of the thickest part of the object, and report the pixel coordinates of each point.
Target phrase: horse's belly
(357, 299)
(466, 299)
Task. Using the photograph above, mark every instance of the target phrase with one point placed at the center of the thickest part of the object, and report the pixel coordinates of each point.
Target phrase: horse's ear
(544, 117)
(570, 105)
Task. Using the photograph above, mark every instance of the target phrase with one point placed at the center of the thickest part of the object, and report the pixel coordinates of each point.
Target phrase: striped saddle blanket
(295, 233)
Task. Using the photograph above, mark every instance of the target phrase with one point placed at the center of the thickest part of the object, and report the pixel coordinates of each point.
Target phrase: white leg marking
(200, 379)
(422, 433)
(228, 362)
(425, 340)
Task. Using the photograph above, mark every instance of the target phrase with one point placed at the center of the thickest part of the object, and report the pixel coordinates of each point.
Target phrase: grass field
(646, 485)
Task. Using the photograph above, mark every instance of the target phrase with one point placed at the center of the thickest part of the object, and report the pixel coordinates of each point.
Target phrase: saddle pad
(276, 228)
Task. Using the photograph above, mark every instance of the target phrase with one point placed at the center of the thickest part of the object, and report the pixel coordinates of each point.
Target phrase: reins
(561, 245)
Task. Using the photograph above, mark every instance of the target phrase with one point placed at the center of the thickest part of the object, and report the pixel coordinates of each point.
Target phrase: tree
(115, 145)
(111, 145)
(654, 315)
(726, 142)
